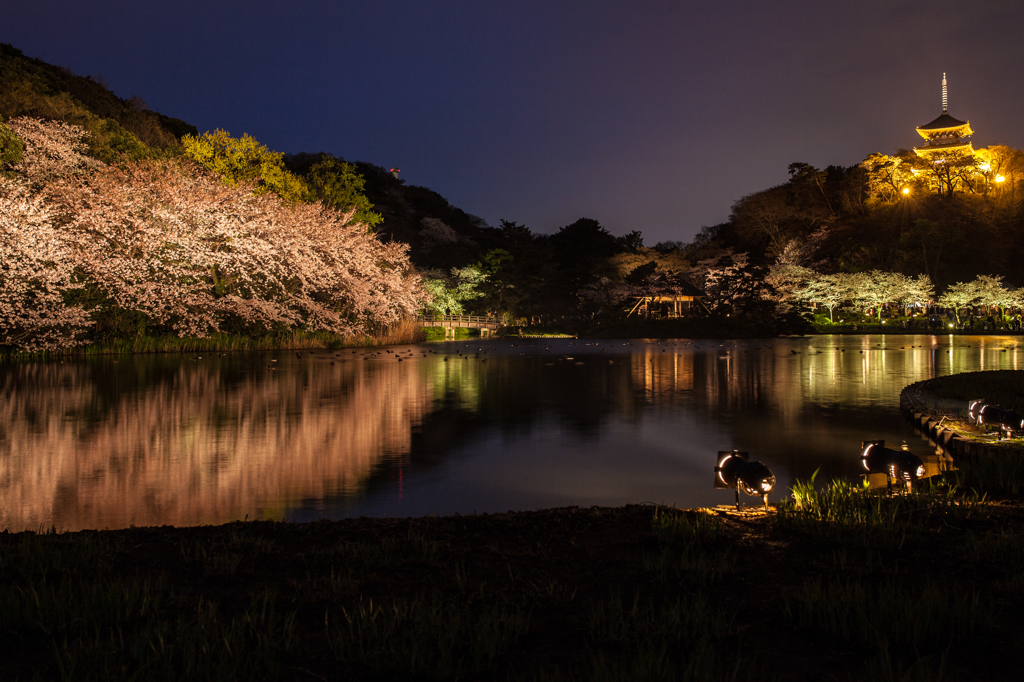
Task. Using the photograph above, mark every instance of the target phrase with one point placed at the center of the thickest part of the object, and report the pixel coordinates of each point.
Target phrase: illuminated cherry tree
(168, 240)
(36, 270)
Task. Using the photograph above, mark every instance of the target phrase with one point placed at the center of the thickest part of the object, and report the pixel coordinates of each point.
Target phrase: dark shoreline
(325, 344)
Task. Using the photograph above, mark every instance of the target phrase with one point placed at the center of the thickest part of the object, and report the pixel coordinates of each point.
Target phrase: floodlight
(1007, 421)
(734, 470)
(897, 465)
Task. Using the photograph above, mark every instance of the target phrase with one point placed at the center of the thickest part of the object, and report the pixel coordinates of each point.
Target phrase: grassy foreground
(837, 584)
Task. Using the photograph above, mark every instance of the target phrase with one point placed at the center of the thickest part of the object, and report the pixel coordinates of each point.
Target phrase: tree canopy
(91, 250)
(244, 160)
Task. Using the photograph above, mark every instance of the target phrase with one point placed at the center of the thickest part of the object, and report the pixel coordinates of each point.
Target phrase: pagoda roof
(949, 147)
(943, 122)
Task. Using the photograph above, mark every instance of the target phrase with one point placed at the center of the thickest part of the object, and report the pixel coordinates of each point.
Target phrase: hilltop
(31, 87)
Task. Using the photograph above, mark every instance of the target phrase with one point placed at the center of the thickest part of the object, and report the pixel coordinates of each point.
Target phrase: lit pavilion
(945, 134)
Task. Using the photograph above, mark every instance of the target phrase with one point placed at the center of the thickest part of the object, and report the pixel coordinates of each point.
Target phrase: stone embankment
(930, 413)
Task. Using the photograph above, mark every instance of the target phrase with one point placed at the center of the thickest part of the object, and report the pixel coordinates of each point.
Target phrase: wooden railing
(476, 318)
(468, 319)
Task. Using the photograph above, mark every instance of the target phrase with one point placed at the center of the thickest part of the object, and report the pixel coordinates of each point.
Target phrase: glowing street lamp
(898, 465)
(1000, 178)
(736, 472)
(906, 191)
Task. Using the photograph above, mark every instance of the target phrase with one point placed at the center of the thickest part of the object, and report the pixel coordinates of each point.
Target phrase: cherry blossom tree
(831, 291)
(916, 291)
(959, 296)
(984, 290)
(170, 241)
(879, 288)
(36, 269)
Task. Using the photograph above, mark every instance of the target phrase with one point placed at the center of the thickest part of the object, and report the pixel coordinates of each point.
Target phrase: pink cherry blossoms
(168, 240)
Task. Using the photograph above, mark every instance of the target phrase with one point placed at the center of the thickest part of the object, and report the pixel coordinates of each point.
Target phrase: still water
(107, 442)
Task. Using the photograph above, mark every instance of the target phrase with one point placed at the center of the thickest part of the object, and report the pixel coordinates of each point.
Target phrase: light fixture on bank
(897, 465)
(735, 471)
(1007, 421)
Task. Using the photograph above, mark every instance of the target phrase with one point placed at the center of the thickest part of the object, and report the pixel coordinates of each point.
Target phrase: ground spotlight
(1007, 421)
(897, 465)
(735, 471)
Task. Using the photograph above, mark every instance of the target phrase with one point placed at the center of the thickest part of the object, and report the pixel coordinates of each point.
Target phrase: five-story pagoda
(945, 134)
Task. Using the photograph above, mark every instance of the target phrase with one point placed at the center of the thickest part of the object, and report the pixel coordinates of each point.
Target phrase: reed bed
(856, 515)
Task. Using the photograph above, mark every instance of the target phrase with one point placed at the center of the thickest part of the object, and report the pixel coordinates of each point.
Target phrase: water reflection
(179, 440)
(151, 441)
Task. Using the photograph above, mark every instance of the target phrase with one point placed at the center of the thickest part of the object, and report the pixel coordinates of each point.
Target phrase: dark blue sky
(653, 116)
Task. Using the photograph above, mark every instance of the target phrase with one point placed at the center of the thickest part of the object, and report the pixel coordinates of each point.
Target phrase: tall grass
(684, 638)
(196, 645)
(353, 558)
(844, 512)
(423, 637)
(907, 628)
(689, 548)
(883, 666)
(687, 528)
(60, 595)
(687, 618)
(902, 613)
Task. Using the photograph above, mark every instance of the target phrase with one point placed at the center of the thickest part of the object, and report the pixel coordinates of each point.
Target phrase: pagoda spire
(945, 134)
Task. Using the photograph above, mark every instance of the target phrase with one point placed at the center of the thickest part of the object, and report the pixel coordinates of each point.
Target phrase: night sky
(651, 116)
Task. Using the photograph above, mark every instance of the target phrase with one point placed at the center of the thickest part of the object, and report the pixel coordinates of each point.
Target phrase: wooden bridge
(452, 322)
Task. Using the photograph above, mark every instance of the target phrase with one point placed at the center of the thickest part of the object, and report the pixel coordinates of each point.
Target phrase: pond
(459, 427)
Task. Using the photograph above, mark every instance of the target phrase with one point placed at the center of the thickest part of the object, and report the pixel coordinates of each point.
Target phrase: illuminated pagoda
(945, 134)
